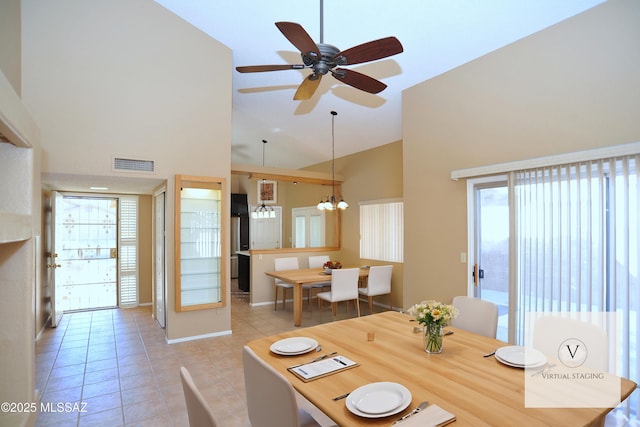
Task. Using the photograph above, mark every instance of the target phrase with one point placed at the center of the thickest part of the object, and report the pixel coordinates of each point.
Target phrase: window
(382, 230)
(577, 245)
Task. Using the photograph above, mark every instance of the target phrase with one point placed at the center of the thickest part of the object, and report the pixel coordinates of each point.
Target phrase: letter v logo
(572, 353)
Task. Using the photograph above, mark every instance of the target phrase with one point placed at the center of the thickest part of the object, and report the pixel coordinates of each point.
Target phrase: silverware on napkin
(420, 407)
(317, 359)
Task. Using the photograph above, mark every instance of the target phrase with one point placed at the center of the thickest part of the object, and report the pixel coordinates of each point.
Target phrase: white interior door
(53, 266)
(266, 233)
(159, 257)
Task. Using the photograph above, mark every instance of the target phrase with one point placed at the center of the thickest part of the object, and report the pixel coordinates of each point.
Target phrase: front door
(84, 235)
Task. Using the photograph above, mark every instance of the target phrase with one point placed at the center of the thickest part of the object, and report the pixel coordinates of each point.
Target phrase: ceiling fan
(323, 58)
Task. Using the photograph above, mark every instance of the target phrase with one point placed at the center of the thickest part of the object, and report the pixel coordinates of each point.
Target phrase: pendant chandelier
(263, 211)
(330, 203)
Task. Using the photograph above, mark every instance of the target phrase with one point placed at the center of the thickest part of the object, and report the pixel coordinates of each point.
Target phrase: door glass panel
(299, 232)
(86, 233)
(492, 251)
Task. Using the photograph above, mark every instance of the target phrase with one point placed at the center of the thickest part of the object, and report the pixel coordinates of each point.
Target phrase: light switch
(463, 257)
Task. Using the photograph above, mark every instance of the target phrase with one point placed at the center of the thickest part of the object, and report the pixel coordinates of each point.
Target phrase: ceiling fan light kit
(323, 58)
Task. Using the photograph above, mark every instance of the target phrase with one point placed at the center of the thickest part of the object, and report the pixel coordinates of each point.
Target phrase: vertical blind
(577, 240)
(382, 231)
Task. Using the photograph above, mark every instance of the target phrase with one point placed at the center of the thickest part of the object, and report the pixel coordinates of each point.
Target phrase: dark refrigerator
(239, 239)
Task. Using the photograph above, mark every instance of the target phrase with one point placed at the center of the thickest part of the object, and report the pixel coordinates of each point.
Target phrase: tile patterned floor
(113, 367)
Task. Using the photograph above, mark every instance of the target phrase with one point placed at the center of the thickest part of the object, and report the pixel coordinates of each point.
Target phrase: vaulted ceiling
(437, 35)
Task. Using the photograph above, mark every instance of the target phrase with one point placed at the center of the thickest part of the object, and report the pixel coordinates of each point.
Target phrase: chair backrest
(553, 333)
(379, 281)
(290, 263)
(271, 400)
(476, 315)
(198, 409)
(318, 261)
(344, 284)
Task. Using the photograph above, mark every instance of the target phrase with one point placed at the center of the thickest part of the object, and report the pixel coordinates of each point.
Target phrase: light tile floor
(118, 364)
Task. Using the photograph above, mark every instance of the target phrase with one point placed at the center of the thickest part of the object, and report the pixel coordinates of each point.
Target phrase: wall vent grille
(121, 164)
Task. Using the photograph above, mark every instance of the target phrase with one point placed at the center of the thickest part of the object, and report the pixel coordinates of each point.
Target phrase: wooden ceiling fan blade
(370, 51)
(308, 87)
(299, 38)
(359, 80)
(261, 68)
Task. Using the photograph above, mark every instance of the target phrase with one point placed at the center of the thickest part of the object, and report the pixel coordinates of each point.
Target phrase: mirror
(291, 196)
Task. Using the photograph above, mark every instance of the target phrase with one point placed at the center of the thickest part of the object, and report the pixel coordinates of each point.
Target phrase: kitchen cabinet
(200, 212)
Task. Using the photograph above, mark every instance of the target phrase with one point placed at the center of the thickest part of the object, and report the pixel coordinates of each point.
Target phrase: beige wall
(21, 242)
(571, 87)
(369, 175)
(128, 78)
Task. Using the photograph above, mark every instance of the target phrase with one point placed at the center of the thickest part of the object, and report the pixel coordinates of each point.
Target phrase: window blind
(382, 231)
(578, 249)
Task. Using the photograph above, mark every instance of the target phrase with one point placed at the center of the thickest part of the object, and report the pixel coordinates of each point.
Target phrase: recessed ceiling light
(98, 188)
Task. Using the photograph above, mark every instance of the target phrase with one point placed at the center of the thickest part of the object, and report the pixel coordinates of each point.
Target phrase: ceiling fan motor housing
(326, 62)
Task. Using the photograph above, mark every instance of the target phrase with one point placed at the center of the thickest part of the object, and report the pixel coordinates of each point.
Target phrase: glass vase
(433, 338)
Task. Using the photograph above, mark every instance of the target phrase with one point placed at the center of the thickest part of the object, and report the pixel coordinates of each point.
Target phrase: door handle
(474, 274)
(477, 274)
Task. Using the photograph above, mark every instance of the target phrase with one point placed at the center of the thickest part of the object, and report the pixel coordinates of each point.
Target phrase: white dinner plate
(294, 346)
(378, 400)
(520, 357)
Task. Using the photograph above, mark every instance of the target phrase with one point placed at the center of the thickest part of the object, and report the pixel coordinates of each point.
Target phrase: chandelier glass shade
(331, 203)
(263, 211)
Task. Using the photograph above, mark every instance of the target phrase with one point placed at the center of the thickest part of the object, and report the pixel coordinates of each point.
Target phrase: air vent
(136, 165)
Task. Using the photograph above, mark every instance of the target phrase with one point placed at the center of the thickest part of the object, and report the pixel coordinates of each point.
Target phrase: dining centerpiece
(433, 316)
(331, 265)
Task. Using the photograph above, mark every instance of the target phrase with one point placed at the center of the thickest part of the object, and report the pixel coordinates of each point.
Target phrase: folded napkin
(432, 416)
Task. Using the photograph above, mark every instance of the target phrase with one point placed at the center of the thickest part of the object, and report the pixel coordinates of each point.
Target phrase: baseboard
(198, 337)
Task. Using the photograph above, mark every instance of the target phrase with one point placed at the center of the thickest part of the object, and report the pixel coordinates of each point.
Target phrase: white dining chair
(289, 263)
(271, 400)
(344, 287)
(198, 410)
(378, 283)
(317, 261)
(476, 315)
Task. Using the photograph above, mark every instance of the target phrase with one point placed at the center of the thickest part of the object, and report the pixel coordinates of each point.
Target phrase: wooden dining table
(478, 390)
(305, 276)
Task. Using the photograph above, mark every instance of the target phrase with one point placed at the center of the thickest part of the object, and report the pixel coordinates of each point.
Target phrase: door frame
(472, 206)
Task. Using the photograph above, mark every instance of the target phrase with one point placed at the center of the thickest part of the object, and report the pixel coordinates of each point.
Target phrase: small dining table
(305, 276)
(478, 390)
